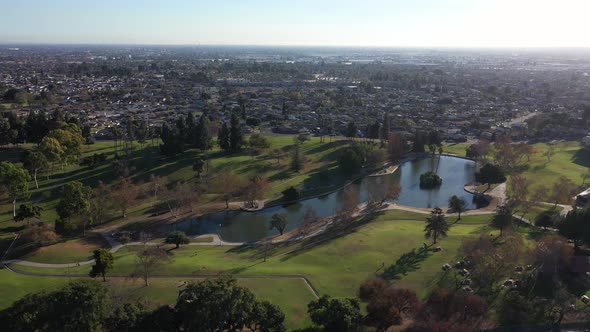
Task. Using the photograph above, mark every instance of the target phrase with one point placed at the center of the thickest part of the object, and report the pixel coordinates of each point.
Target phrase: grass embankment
(76, 250)
(569, 159)
(319, 173)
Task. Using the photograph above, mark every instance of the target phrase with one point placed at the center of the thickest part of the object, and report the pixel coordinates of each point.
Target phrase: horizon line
(506, 47)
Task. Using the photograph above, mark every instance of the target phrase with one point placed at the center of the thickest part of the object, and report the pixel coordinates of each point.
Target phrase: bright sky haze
(395, 23)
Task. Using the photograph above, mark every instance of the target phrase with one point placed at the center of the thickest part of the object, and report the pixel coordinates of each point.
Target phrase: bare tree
(100, 202)
(549, 152)
(255, 190)
(181, 198)
(148, 260)
(563, 191)
(124, 195)
(310, 217)
(229, 184)
(156, 184)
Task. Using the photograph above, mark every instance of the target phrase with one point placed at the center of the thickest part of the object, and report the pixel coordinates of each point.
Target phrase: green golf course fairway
(336, 267)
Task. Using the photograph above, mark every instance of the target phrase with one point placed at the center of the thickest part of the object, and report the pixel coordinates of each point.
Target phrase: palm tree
(436, 225)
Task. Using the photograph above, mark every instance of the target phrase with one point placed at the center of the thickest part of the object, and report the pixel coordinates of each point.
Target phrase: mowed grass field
(569, 160)
(336, 267)
(291, 293)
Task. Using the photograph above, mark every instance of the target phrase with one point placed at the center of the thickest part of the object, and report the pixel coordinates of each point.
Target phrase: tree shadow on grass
(408, 262)
(582, 157)
(335, 231)
(326, 146)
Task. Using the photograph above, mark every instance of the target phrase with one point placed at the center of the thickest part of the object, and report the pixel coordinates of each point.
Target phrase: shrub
(430, 180)
(291, 194)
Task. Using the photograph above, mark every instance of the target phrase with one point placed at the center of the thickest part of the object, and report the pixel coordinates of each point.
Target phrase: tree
(34, 162)
(310, 217)
(255, 190)
(503, 217)
(517, 192)
(177, 238)
(575, 226)
(100, 202)
(266, 317)
(490, 174)
(236, 137)
(70, 139)
(173, 139)
(385, 129)
(16, 181)
(80, 305)
(223, 138)
(436, 225)
(291, 194)
(198, 166)
(27, 211)
(549, 152)
(547, 218)
(278, 221)
(124, 195)
(335, 315)
(297, 158)
(204, 139)
(389, 306)
(229, 183)
(221, 305)
(457, 205)
(149, 259)
(350, 161)
(351, 130)
(563, 191)
(75, 200)
(103, 263)
(258, 142)
(127, 317)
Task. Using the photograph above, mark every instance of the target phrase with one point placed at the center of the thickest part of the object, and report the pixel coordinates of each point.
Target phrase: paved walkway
(115, 246)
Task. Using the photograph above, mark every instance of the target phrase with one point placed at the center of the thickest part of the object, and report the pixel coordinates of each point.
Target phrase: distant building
(586, 142)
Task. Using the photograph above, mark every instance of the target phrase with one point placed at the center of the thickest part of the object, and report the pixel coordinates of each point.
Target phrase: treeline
(189, 132)
(86, 305)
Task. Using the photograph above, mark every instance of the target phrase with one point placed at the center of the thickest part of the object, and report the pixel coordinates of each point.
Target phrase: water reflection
(251, 226)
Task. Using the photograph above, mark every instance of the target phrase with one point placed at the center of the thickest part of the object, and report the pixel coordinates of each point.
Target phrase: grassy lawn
(456, 149)
(570, 160)
(14, 286)
(336, 267)
(77, 250)
(291, 294)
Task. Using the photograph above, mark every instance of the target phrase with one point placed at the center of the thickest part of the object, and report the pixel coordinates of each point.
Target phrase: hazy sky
(463, 23)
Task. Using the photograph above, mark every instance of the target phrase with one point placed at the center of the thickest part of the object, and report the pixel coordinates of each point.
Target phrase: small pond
(242, 226)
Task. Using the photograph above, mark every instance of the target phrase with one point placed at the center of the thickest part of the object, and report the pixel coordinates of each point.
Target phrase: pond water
(242, 226)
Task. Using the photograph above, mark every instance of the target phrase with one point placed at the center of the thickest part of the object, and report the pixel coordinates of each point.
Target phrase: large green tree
(436, 225)
(223, 137)
(34, 162)
(457, 205)
(236, 136)
(490, 174)
(335, 315)
(81, 305)
(221, 305)
(204, 139)
(74, 202)
(278, 221)
(16, 180)
(177, 238)
(103, 263)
